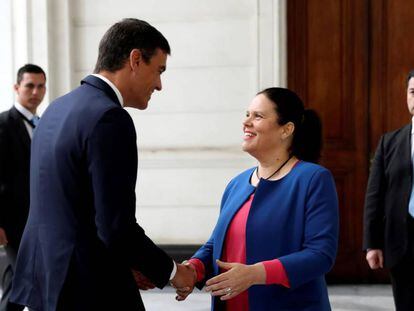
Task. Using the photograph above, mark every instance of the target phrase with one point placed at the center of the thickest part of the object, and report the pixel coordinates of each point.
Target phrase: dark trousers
(402, 276)
(6, 282)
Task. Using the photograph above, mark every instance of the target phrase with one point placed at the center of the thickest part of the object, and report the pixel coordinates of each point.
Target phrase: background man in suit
(81, 239)
(389, 209)
(16, 129)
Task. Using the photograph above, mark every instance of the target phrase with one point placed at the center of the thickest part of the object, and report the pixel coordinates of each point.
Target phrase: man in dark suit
(81, 239)
(16, 129)
(389, 209)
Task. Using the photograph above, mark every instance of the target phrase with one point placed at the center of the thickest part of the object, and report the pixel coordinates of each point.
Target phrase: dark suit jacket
(14, 175)
(81, 231)
(388, 195)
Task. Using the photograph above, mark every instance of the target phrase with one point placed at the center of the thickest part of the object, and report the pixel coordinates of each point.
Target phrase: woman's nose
(247, 121)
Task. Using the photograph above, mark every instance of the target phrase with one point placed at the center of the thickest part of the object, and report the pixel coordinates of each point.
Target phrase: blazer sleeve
(3, 173)
(320, 233)
(112, 165)
(374, 202)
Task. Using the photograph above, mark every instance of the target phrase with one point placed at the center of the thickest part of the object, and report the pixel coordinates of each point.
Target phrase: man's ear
(15, 87)
(135, 59)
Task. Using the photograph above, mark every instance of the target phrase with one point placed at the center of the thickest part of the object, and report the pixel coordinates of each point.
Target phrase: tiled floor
(343, 298)
(361, 297)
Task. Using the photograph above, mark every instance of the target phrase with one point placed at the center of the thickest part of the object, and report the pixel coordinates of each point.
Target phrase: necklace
(275, 172)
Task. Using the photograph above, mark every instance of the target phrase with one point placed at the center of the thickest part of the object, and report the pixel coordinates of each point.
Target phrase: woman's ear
(288, 130)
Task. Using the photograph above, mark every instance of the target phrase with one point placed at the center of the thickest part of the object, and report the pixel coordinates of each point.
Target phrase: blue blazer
(81, 238)
(294, 219)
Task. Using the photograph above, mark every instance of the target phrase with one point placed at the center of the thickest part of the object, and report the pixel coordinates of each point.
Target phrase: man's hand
(142, 281)
(184, 280)
(3, 237)
(375, 258)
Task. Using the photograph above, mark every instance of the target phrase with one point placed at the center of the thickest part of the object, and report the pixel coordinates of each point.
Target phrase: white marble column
(6, 68)
(30, 37)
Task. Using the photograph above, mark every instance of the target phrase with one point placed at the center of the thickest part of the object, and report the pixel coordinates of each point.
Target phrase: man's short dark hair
(124, 36)
(28, 68)
(410, 75)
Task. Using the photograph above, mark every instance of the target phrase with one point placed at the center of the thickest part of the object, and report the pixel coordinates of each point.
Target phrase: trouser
(6, 282)
(402, 276)
(75, 295)
(402, 279)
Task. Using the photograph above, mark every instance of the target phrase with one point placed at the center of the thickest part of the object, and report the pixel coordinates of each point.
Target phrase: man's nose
(158, 86)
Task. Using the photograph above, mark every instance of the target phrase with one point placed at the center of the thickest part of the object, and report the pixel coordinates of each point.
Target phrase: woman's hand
(236, 279)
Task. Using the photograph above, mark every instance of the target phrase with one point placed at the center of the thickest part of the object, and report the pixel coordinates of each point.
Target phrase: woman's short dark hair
(124, 36)
(307, 136)
(28, 68)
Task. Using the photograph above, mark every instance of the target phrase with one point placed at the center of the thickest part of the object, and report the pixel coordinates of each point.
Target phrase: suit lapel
(102, 85)
(21, 130)
(404, 145)
(404, 161)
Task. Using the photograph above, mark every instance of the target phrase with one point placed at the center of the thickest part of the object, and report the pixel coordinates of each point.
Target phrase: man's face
(410, 96)
(31, 90)
(146, 79)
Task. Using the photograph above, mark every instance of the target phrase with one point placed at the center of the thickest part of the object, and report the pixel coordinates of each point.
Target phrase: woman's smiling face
(262, 133)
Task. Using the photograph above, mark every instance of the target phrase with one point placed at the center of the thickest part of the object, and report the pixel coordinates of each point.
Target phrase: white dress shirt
(117, 92)
(28, 115)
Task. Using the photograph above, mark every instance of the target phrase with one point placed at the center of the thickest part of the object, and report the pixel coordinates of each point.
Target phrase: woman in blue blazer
(277, 233)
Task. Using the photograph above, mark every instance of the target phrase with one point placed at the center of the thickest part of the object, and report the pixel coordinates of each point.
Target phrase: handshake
(183, 281)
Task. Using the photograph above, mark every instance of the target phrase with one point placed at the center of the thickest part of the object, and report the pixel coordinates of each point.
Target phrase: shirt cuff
(174, 271)
(199, 268)
(276, 273)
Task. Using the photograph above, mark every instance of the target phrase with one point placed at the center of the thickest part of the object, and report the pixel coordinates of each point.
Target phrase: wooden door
(349, 59)
(328, 67)
(391, 58)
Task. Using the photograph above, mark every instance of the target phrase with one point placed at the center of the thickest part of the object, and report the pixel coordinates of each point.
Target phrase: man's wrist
(174, 271)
